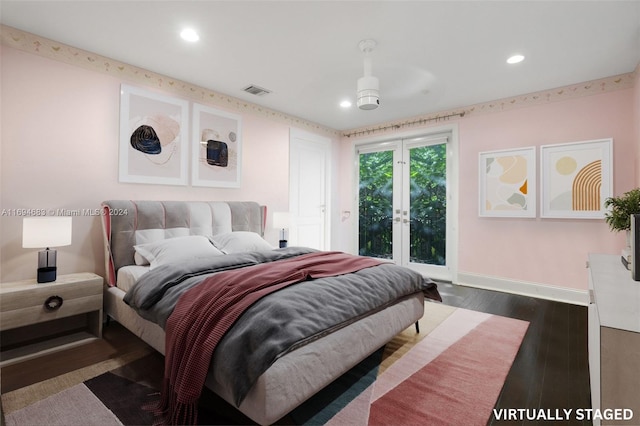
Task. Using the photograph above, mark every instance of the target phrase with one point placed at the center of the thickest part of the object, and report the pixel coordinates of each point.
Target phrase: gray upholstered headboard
(127, 223)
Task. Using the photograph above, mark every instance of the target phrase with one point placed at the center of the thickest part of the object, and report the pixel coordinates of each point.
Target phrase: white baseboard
(542, 291)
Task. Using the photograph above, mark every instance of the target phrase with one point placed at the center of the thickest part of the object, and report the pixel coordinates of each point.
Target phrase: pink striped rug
(451, 376)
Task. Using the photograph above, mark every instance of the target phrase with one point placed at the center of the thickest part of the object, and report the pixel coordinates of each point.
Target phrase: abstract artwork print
(153, 137)
(576, 179)
(507, 183)
(216, 148)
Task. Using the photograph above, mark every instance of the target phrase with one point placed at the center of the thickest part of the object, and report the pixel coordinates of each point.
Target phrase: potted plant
(619, 216)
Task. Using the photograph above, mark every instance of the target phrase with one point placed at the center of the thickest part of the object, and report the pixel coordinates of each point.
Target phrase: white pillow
(176, 249)
(240, 241)
(139, 259)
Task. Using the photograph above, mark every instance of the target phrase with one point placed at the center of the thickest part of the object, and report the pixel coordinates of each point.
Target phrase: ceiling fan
(368, 94)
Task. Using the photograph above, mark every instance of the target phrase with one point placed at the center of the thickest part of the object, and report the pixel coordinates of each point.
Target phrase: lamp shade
(281, 220)
(39, 232)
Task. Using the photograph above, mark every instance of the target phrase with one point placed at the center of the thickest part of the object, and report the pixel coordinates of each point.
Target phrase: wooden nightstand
(37, 319)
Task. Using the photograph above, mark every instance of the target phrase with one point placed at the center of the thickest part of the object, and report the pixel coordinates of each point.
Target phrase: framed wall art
(576, 179)
(153, 137)
(507, 183)
(216, 148)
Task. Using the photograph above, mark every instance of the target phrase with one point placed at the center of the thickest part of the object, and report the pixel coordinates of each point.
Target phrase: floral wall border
(41, 46)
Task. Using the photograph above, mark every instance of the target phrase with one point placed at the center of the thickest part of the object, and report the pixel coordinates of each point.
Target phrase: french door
(403, 195)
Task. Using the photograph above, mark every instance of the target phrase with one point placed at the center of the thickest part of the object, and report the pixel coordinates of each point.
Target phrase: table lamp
(41, 232)
(281, 220)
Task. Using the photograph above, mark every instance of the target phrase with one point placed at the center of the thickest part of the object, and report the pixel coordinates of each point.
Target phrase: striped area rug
(449, 374)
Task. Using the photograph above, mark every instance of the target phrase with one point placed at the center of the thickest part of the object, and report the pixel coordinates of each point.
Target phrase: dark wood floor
(116, 341)
(550, 371)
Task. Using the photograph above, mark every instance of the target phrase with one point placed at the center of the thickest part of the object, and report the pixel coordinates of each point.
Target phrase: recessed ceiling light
(345, 104)
(189, 34)
(515, 59)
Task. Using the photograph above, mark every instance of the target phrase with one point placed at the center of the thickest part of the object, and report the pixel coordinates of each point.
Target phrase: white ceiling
(431, 55)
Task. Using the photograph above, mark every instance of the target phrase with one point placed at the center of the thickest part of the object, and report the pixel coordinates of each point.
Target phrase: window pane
(376, 204)
(428, 204)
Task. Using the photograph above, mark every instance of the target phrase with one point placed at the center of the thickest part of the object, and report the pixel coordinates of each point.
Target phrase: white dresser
(614, 337)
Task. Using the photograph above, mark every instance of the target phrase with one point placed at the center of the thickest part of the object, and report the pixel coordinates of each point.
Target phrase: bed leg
(417, 327)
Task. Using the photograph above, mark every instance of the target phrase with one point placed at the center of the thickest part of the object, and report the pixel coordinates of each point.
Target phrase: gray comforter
(279, 322)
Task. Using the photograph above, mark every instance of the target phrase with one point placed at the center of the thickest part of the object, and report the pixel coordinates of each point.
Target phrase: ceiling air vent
(256, 90)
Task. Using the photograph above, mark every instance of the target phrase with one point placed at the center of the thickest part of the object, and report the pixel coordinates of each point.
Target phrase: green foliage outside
(375, 204)
(427, 204)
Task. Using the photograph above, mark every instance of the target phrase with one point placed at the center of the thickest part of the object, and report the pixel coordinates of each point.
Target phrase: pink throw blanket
(204, 313)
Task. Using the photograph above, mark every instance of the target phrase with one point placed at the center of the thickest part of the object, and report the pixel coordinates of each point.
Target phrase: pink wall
(546, 251)
(59, 149)
(533, 251)
(636, 121)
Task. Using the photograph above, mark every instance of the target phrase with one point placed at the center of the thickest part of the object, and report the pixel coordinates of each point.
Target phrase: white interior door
(309, 189)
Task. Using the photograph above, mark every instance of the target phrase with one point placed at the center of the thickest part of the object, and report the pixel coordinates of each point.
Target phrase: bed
(160, 249)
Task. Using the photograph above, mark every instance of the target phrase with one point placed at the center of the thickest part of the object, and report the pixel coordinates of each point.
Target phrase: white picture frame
(507, 180)
(576, 179)
(216, 148)
(153, 146)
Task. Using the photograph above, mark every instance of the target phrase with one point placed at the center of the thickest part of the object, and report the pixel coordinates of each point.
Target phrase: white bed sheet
(128, 275)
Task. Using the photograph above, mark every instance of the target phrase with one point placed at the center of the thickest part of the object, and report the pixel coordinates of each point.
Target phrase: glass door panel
(427, 204)
(375, 205)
